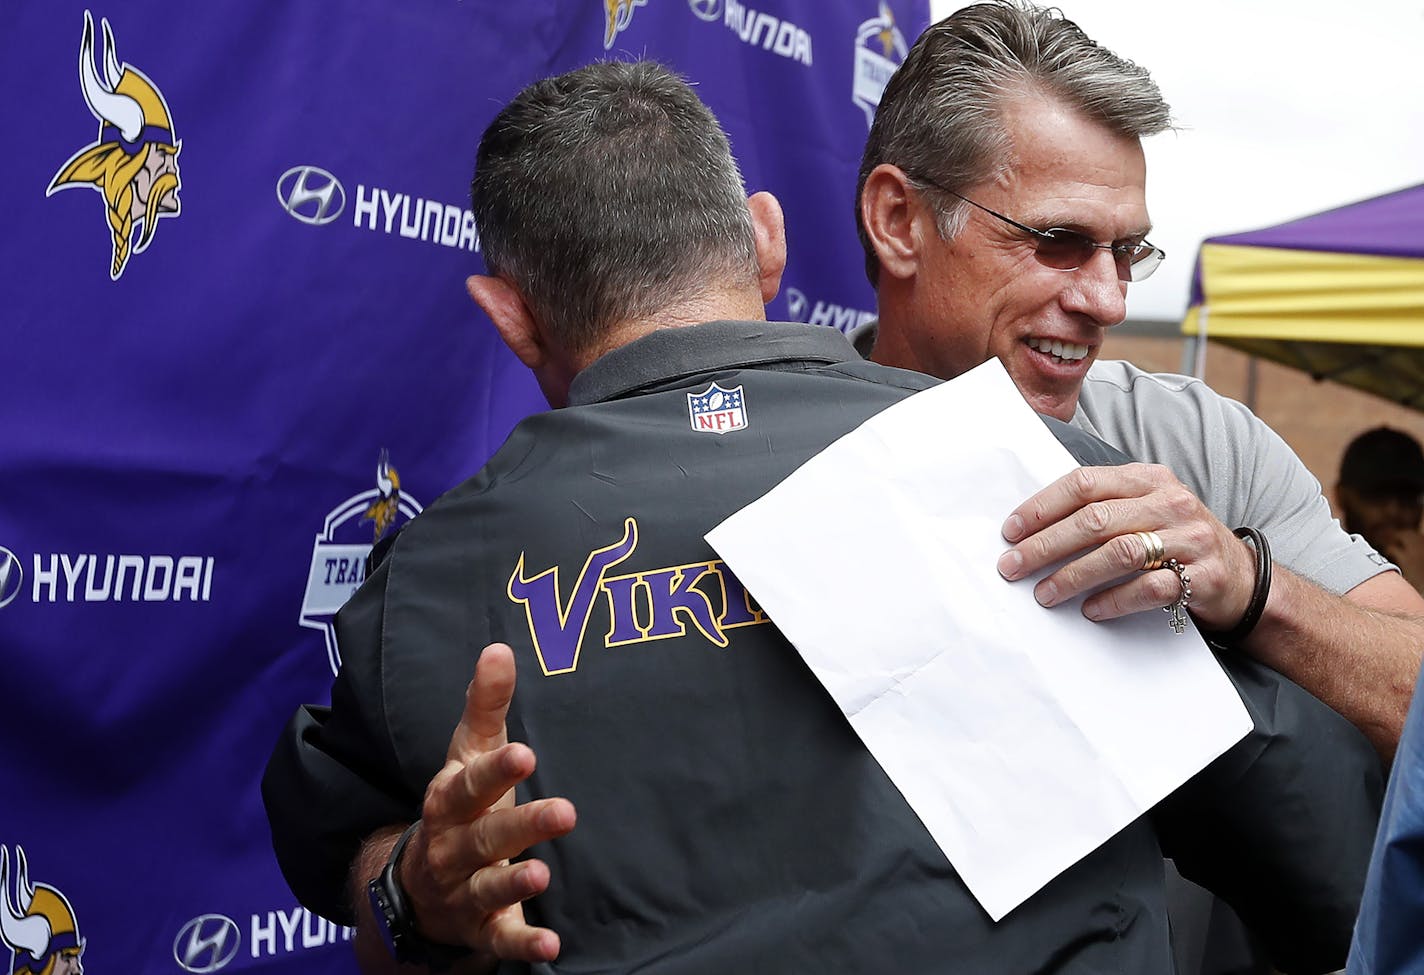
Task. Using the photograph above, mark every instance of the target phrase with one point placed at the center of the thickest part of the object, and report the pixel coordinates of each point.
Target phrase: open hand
(456, 869)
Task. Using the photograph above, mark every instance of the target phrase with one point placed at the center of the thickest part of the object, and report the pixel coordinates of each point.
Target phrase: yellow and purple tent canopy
(1339, 294)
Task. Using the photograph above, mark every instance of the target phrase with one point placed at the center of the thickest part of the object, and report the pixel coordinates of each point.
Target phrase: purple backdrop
(210, 413)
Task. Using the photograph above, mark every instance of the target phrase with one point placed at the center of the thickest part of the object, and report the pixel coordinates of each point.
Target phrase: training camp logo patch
(133, 164)
(880, 48)
(338, 562)
(38, 925)
(717, 410)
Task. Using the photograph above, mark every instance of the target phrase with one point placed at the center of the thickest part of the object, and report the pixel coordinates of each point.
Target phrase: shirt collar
(670, 354)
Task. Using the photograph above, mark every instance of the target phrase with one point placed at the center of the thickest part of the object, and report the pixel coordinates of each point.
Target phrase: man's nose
(1096, 290)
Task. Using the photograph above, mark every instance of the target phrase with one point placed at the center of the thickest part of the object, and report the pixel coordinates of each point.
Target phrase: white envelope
(1022, 737)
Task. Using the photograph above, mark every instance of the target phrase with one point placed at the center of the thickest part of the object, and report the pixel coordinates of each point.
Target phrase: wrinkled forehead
(1065, 169)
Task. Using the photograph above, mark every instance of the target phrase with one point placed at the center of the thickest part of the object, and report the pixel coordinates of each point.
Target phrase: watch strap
(395, 920)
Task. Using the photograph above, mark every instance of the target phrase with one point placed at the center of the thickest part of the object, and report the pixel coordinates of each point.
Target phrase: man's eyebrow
(1077, 226)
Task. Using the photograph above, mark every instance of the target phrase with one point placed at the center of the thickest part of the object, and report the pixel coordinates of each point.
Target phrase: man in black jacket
(729, 819)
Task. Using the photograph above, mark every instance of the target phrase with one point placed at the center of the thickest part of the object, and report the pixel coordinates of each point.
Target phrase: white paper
(1022, 737)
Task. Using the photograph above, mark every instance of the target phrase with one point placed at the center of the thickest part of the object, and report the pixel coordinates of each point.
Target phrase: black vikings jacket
(729, 818)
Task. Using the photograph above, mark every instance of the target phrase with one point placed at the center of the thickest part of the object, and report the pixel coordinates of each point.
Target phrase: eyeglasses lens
(1067, 250)
(1064, 250)
(1144, 264)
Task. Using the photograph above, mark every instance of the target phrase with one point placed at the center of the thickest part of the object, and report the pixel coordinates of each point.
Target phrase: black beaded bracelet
(1262, 589)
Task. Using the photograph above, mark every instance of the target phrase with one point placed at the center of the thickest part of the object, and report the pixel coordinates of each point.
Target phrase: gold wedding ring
(1155, 555)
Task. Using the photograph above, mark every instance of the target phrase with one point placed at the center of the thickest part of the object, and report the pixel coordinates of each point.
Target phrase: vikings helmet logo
(384, 509)
(134, 162)
(617, 14)
(879, 49)
(39, 926)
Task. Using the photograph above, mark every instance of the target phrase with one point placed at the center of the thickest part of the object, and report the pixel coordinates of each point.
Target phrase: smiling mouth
(1066, 351)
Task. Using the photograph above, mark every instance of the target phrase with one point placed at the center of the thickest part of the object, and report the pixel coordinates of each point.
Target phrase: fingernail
(1092, 612)
(1046, 593)
(1014, 528)
(526, 880)
(1010, 564)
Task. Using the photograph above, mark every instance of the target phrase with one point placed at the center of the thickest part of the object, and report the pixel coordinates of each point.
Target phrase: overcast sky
(1284, 109)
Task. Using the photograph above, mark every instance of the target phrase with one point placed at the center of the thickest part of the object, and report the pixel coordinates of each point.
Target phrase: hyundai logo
(311, 195)
(796, 305)
(708, 10)
(206, 943)
(12, 576)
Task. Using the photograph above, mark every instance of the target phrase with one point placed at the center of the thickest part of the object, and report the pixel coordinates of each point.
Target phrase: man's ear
(891, 208)
(505, 306)
(770, 226)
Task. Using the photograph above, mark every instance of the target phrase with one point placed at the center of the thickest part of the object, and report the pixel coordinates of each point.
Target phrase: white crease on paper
(1022, 737)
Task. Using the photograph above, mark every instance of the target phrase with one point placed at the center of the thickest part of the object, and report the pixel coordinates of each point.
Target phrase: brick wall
(1316, 418)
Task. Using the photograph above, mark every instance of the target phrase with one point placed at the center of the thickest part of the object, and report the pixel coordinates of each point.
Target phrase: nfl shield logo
(717, 410)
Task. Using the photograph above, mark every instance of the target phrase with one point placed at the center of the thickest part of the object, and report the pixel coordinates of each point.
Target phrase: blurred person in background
(1380, 493)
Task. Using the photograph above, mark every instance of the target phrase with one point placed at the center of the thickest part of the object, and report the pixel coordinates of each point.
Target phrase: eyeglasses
(1068, 250)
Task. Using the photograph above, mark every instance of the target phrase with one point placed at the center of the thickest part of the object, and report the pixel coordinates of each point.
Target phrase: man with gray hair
(728, 817)
(1003, 213)
(1002, 208)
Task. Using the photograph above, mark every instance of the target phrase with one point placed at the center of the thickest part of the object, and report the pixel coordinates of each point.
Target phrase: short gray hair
(607, 193)
(940, 121)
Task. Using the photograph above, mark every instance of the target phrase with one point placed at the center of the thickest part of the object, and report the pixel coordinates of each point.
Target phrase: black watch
(395, 922)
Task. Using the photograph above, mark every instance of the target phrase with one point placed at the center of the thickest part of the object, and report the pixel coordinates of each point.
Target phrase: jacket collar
(669, 355)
